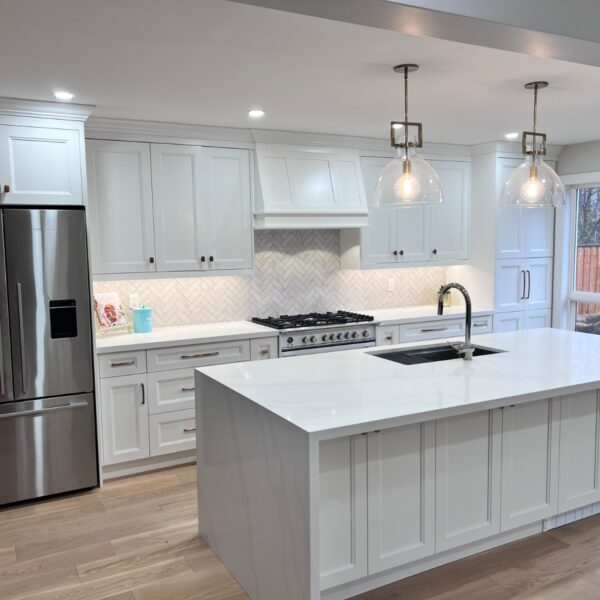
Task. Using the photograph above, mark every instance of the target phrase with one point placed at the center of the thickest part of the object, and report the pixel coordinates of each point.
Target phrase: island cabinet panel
(530, 438)
(343, 510)
(579, 471)
(401, 495)
(468, 454)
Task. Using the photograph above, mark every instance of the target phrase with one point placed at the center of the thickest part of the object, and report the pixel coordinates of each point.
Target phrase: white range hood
(301, 187)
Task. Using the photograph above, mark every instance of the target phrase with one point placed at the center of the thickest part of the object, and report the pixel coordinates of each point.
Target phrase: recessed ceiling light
(512, 135)
(397, 126)
(256, 113)
(63, 95)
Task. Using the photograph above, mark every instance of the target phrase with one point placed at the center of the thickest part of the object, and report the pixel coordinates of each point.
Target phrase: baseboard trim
(148, 464)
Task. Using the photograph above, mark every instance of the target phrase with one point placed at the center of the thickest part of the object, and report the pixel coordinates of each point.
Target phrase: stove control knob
(365, 333)
(339, 336)
(355, 334)
(331, 336)
(347, 334)
(324, 337)
(313, 338)
(305, 339)
(290, 340)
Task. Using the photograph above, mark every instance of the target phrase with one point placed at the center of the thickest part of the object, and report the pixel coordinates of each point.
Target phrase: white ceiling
(209, 61)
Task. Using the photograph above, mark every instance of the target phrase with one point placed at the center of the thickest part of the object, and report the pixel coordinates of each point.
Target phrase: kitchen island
(323, 476)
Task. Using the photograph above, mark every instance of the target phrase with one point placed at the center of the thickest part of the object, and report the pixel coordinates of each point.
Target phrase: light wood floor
(135, 539)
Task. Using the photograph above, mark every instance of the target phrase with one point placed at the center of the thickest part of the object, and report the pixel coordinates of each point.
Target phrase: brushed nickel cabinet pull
(432, 329)
(189, 429)
(199, 355)
(122, 363)
(188, 389)
(479, 324)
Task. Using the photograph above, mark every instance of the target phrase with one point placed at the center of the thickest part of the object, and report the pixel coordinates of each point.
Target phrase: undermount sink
(425, 354)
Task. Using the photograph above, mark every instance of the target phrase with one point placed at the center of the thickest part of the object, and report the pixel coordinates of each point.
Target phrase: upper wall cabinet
(416, 235)
(40, 165)
(120, 189)
(309, 188)
(169, 208)
(522, 232)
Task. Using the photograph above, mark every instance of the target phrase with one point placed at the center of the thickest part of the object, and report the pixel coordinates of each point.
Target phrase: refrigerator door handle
(21, 335)
(2, 388)
(42, 410)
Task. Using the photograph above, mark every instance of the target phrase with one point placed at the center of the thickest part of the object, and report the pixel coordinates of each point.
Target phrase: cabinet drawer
(172, 432)
(200, 355)
(171, 390)
(122, 363)
(431, 330)
(483, 324)
(263, 348)
(387, 335)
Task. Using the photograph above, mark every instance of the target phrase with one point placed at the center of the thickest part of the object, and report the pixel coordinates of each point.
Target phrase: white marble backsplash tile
(294, 271)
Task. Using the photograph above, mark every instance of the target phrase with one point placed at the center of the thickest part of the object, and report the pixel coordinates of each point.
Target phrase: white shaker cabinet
(579, 476)
(177, 182)
(121, 220)
(468, 468)
(522, 319)
(401, 495)
(524, 284)
(530, 445)
(124, 409)
(40, 165)
(343, 510)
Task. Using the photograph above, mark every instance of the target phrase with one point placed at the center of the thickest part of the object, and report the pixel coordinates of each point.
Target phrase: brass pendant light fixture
(533, 183)
(407, 180)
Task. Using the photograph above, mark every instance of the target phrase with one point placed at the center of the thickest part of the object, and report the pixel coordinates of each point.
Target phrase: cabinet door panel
(176, 189)
(529, 462)
(121, 207)
(125, 434)
(401, 506)
(379, 239)
(534, 319)
(41, 165)
(539, 283)
(468, 451)
(343, 510)
(509, 235)
(413, 234)
(510, 321)
(228, 210)
(579, 471)
(538, 231)
(449, 229)
(510, 285)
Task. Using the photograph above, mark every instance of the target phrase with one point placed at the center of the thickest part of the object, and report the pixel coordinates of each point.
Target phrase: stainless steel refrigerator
(47, 417)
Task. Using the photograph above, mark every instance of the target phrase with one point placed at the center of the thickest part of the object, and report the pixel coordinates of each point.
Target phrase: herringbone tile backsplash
(294, 271)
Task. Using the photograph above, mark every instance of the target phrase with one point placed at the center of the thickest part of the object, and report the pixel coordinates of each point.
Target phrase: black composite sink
(426, 354)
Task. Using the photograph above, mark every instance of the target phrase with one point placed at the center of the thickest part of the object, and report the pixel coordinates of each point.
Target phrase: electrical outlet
(391, 285)
(134, 300)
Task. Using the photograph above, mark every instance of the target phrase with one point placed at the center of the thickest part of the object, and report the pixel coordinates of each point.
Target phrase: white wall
(579, 158)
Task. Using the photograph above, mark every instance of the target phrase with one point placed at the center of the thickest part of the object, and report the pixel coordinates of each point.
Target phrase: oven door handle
(284, 352)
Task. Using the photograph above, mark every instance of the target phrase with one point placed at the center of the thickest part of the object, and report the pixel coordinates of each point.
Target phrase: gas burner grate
(341, 317)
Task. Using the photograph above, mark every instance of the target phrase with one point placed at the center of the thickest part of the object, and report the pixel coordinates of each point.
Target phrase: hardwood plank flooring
(135, 539)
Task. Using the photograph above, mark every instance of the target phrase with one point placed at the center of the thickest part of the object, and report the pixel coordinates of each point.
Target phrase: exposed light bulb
(532, 190)
(407, 188)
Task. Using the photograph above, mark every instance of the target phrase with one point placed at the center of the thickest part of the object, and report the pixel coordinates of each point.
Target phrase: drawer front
(432, 330)
(483, 324)
(172, 432)
(122, 363)
(200, 355)
(171, 390)
(387, 335)
(263, 348)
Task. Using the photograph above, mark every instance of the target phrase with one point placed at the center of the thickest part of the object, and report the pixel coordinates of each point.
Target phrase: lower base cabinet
(530, 437)
(468, 453)
(522, 319)
(172, 432)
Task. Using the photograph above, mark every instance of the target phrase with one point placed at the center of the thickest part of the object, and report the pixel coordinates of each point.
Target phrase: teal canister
(142, 319)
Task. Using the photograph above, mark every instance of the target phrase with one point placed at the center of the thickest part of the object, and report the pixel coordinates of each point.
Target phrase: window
(585, 294)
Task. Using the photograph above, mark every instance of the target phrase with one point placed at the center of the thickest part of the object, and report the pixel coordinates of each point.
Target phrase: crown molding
(21, 107)
(511, 150)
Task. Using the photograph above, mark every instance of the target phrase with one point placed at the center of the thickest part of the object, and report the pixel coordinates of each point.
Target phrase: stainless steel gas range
(312, 333)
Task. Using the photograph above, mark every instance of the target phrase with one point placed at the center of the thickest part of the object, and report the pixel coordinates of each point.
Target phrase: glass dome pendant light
(407, 180)
(533, 183)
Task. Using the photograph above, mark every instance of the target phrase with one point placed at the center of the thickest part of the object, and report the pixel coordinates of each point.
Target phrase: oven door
(337, 348)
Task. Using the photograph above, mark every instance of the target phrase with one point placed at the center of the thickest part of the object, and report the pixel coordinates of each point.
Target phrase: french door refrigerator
(47, 417)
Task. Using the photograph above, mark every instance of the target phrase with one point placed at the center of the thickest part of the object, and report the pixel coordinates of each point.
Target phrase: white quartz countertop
(163, 337)
(340, 393)
(414, 314)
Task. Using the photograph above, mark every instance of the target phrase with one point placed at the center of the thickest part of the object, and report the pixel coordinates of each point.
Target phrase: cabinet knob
(395, 252)
(151, 260)
(6, 189)
(211, 258)
(401, 252)
(434, 251)
(203, 259)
